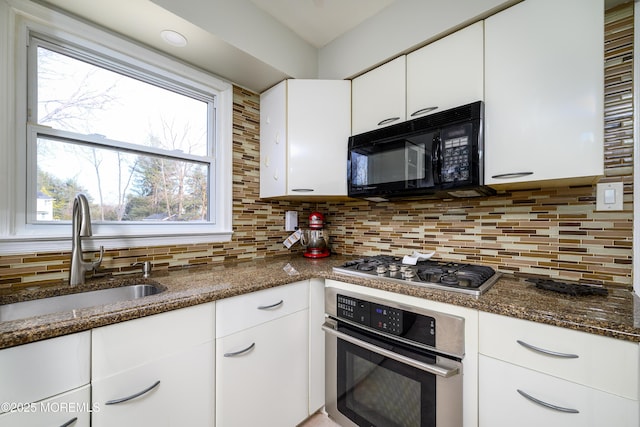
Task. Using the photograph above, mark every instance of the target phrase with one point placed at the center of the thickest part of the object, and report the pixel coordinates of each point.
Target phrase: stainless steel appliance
(389, 365)
(435, 156)
(452, 276)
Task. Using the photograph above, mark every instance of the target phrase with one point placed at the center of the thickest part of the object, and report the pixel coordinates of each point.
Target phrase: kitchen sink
(39, 307)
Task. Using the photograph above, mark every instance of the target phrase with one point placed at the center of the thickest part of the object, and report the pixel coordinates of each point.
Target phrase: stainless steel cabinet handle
(303, 190)
(238, 353)
(547, 405)
(72, 421)
(387, 121)
(268, 307)
(432, 369)
(423, 111)
(133, 396)
(547, 352)
(511, 175)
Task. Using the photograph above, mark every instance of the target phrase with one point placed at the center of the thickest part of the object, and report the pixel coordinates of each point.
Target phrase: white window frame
(17, 235)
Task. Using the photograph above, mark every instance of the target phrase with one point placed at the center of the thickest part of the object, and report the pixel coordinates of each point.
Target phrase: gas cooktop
(451, 276)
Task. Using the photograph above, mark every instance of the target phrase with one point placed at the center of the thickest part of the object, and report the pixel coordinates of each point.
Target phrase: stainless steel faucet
(81, 227)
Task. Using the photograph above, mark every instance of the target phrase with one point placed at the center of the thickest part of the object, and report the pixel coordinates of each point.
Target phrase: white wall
(252, 31)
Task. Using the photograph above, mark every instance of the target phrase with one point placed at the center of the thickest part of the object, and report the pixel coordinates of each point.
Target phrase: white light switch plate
(610, 196)
(290, 221)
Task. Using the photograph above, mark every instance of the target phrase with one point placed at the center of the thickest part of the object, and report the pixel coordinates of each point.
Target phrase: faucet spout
(81, 227)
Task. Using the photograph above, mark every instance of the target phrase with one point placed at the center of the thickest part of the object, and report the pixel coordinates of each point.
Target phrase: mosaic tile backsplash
(552, 232)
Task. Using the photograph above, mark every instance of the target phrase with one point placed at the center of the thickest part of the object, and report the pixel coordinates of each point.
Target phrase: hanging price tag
(293, 239)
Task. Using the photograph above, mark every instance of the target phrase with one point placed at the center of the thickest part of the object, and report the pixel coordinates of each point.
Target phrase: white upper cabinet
(447, 73)
(544, 79)
(442, 75)
(304, 130)
(378, 97)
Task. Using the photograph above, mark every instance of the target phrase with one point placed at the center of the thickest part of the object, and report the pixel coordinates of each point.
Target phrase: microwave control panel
(456, 153)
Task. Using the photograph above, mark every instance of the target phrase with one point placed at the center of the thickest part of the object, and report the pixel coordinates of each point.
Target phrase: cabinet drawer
(244, 311)
(502, 405)
(57, 411)
(604, 363)
(42, 369)
(119, 347)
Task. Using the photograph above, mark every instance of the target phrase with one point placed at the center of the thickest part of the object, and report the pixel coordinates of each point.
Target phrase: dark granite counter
(615, 315)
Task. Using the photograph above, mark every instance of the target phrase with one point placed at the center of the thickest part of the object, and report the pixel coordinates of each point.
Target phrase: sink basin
(38, 307)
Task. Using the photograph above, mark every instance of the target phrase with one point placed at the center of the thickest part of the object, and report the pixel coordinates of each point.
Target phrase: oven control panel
(387, 319)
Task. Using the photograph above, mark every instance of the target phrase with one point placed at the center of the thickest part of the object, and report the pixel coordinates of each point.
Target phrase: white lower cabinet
(156, 370)
(70, 409)
(262, 367)
(533, 374)
(514, 396)
(46, 382)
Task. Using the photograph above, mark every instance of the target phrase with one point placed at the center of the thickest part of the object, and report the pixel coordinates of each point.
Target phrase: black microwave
(436, 156)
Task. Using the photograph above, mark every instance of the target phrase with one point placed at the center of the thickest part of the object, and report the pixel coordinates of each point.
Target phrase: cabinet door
(273, 141)
(176, 349)
(319, 125)
(266, 385)
(446, 73)
(503, 405)
(178, 391)
(378, 97)
(544, 79)
(71, 409)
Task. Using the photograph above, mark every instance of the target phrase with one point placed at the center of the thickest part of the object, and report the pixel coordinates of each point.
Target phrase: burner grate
(573, 289)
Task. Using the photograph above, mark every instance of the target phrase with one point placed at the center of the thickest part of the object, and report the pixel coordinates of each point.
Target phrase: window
(145, 138)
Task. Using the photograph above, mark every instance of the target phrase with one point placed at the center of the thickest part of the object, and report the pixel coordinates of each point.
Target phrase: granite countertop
(616, 315)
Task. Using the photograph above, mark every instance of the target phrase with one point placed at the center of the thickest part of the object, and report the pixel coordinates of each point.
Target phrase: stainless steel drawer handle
(547, 352)
(511, 175)
(547, 405)
(303, 190)
(423, 111)
(238, 353)
(71, 422)
(269, 307)
(133, 396)
(387, 121)
(432, 369)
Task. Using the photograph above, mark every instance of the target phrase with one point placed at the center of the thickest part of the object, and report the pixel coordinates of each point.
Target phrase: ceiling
(319, 22)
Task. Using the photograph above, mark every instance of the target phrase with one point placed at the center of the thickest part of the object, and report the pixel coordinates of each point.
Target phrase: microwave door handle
(435, 159)
(438, 370)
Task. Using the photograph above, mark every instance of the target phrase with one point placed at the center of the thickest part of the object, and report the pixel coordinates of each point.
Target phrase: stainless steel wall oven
(391, 365)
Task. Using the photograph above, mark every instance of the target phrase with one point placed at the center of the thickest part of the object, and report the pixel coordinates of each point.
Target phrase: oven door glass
(396, 164)
(377, 391)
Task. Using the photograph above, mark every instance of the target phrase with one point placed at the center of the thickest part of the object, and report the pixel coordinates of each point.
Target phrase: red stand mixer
(313, 239)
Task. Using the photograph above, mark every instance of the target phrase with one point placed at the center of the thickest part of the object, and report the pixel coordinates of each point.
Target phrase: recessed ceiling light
(174, 38)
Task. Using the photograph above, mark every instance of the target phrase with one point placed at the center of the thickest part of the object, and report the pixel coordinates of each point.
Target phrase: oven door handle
(427, 367)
